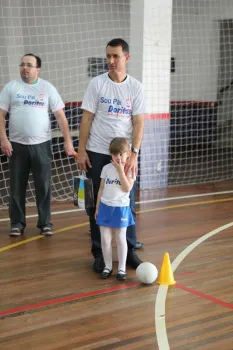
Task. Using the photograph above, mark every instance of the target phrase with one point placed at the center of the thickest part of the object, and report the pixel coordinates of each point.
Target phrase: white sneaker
(15, 232)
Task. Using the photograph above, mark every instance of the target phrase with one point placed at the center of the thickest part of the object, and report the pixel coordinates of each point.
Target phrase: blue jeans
(98, 161)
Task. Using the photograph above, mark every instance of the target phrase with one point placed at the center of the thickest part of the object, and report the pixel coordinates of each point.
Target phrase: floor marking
(28, 240)
(139, 202)
(22, 309)
(185, 197)
(138, 212)
(187, 205)
(205, 296)
(53, 213)
(160, 321)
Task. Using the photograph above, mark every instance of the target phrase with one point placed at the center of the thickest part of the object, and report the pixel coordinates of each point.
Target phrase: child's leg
(106, 244)
(122, 248)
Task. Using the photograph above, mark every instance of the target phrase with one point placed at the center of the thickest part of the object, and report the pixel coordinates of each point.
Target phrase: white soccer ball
(147, 273)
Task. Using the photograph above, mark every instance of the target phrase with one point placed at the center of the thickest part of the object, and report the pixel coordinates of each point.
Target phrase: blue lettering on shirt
(115, 107)
(33, 103)
(121, 110)
(113, 182)
(105, 100)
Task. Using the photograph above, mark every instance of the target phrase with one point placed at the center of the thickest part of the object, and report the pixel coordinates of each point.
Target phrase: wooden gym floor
(51, 299)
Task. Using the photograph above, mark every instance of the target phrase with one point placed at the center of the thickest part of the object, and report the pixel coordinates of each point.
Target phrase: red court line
(67, 299)
(186, 273)
(76, 297)
(205, 296)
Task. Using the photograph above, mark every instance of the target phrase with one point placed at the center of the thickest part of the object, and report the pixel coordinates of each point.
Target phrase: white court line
(160, 322)
(140, 202)
(54, 213)
(185, 197)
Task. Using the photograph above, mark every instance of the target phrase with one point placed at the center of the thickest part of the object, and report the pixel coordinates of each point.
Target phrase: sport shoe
(133, 260)
(98, 265)
(15, 232)
(46, 231)
(139, 245)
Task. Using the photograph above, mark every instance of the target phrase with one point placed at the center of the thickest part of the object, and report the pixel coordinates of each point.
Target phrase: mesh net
(201, 92)
(70, 37)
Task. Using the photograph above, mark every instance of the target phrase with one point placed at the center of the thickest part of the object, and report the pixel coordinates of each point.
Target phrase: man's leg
(132, 258)
(41, 157)
(98, 161)
(19, 166)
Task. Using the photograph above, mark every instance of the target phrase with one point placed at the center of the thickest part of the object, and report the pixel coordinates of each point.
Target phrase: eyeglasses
(28, 65)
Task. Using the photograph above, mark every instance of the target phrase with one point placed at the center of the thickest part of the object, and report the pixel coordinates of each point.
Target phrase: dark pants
(98, 161)
(36, 158)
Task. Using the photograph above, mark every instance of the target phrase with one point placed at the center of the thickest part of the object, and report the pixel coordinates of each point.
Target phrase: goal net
(70, 37)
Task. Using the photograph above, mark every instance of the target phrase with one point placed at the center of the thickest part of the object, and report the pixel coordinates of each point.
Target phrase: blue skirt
(116, 217)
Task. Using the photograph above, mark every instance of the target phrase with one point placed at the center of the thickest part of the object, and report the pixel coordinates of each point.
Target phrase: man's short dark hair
(38, 59)
(119, 42)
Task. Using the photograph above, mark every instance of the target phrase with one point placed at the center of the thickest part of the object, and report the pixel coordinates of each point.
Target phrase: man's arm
(5, 143)
(84, 133)
(138, 127)
(63, 125)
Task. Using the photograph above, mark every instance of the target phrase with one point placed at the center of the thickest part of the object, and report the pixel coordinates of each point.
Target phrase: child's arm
(126, 182)
(100, 192)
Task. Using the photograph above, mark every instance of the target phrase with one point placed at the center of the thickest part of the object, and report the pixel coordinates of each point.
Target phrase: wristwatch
(135, 150)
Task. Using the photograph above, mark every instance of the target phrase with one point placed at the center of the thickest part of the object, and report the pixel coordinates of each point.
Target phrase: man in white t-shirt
(113, 106)
(28, 101)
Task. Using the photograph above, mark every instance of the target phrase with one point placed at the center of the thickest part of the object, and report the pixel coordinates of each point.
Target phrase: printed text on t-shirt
(117, 108)
(31, 100)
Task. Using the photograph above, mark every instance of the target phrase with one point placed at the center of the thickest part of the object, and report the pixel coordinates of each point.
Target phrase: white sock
(122, 248)
(106, 244)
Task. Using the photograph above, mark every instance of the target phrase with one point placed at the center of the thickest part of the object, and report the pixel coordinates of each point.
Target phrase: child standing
(112, 209)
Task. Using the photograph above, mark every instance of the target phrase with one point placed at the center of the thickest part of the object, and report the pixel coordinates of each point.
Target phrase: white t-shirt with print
(29, 105)
(113, 195)
(113, 105)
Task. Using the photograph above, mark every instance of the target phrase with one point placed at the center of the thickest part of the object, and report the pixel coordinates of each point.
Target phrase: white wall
(195, 46)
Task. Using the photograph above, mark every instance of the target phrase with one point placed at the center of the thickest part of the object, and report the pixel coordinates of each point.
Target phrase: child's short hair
(119, 145)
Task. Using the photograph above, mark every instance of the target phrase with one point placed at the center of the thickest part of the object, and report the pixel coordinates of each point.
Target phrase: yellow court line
(20, 243)
(71, 227)
(40, 236)
(67, 228)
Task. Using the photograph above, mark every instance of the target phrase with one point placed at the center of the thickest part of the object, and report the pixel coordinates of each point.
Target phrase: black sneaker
(139, 245)
(46, 231)
(133, 260)
(15, 232)
(98, 265)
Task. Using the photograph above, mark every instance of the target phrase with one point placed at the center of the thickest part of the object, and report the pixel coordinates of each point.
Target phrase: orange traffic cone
(166, 274)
